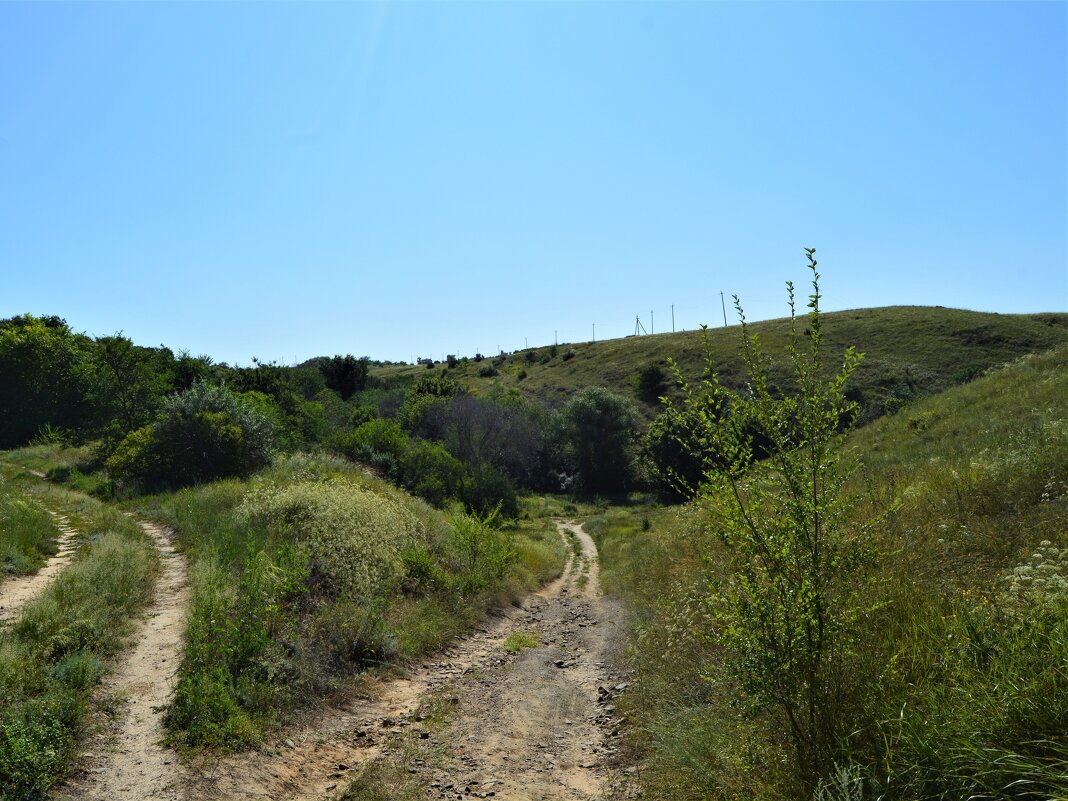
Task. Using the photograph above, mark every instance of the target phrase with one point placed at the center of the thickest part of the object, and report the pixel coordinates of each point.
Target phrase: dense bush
(202, 434)
(487, 489)
(379, 442)
(672, 444)
(651, 381)
(428, 470)
(354, 537)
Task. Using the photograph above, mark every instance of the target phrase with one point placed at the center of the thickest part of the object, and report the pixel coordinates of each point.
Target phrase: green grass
(315, 570)
(517, 641)
(55, 651)
(958, 683)
(27, 532)
(912, 352)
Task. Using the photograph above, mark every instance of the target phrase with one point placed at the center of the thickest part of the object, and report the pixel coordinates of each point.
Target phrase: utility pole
(556, 337)
(595, 332)
(525, 343)
(652, 328)
(724, 305)
(672, 318)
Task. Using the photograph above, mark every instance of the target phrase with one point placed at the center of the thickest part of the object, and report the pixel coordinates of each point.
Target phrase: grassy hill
(957, 685)
(911, 351)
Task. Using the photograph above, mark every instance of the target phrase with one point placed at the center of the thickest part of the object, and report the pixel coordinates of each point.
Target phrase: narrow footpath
(17, 591)
(123, 757)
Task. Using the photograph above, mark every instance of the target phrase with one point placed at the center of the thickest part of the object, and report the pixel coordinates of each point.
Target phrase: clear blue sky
(287, 180)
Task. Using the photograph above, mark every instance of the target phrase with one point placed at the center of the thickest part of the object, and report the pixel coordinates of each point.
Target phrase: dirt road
(536, 725)
(541, 727)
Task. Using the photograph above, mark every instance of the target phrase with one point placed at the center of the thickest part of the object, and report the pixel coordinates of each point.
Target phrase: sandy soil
(17, 591)
(123, 757)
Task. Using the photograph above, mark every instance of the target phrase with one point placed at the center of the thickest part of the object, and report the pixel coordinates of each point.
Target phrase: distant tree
(187, 369)
(651, 382)
(486, 432)
(43, 378)
(127, 383)
(600, 428)
(346, 375)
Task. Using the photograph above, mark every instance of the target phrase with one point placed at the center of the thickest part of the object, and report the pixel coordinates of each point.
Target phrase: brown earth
(17, 591)
(542, 726)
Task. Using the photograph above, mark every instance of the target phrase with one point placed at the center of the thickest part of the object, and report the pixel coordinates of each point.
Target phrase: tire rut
(17, 591)
(542, 726)
(314, 761)
(124, 757)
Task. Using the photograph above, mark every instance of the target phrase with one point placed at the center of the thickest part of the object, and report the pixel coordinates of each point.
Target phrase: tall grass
(959, 676)
(27, 532)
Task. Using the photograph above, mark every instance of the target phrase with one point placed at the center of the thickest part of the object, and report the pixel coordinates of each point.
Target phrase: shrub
(202, 434)
(651, 381)
(784, 614)
(378, 436)
(487, 489)
(350, 635)
(568, 355)
(354, 536)
(428, 470)
(672, 443)
(482, 553)
(488, 371)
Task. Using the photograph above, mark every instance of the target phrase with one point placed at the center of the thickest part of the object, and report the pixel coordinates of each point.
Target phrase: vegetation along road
(536, 723)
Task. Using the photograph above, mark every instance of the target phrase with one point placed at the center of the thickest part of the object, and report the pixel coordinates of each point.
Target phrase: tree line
(164, 419)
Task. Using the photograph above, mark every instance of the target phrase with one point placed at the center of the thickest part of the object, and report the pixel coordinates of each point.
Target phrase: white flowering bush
(354, 536)
(1042, 579)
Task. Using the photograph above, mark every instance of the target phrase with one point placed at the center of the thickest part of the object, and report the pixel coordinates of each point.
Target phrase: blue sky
(288, 180)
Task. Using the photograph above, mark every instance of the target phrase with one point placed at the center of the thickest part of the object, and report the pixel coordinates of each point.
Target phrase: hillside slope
(911, 351)
(956, 685)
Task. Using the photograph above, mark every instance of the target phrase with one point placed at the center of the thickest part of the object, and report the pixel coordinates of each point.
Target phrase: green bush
(428, 470)
(200, 435)
(651, 382)
(481, 552)
(487, 489)
(354, 537)
(600, 429)
(378, 441)
(350, 635)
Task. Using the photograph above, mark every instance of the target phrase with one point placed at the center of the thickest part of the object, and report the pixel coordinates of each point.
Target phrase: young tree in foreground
(783, 616)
